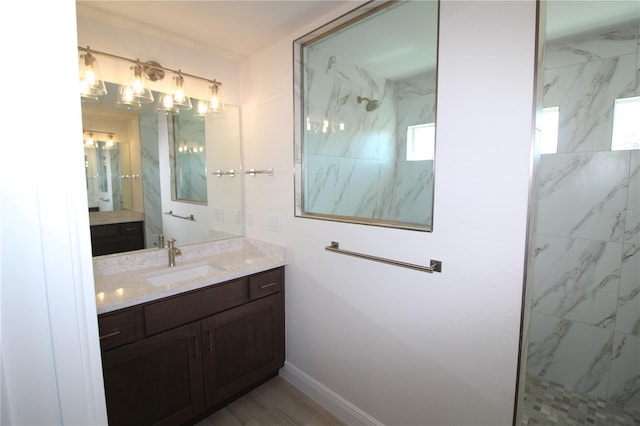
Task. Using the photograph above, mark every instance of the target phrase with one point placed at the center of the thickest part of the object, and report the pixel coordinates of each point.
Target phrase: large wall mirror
(365, 116)
(155, 169)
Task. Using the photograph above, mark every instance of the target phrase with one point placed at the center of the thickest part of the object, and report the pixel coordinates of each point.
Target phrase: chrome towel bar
(253, 172)
(219, 173)
(434, 265)
(190, 217)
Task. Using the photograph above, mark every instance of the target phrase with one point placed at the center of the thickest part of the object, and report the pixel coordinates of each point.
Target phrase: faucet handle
(171, 243)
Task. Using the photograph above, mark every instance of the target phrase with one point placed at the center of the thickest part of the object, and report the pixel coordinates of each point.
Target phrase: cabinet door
(242, 346)
(157, 380)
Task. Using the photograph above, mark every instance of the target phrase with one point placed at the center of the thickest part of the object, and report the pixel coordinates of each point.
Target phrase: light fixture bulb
(136, 91)
(91, 85)
(167, 102)
(178, 94)
(202, 108)
(215, 102)
(126, 99)
(180, 99)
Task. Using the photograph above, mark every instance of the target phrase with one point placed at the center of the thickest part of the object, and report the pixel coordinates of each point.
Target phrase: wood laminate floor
(275, 403)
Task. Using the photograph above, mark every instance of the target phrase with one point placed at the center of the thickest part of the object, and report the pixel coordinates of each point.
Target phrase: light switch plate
(273, 222)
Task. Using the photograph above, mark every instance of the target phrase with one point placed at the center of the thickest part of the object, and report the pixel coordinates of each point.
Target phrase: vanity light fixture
(91, 84)
(136, 92)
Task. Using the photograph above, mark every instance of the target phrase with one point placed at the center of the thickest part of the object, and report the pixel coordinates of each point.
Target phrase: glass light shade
(180, 98)
(89, 142)
(202, 108)
(138, 88)
(91, 84)
(109, 144)
(166, 104)
(126, 99)
(216, 105)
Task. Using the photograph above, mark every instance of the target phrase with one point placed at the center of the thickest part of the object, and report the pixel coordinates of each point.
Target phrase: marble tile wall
(151, 182)
(116, 180)
(354, 163)
(585, 324)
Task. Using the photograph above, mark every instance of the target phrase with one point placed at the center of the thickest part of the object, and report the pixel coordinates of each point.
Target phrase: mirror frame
(174, 124)
(340, 23)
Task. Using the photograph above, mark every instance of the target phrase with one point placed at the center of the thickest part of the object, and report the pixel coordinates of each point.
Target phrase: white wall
(49, 352)
(403, 346)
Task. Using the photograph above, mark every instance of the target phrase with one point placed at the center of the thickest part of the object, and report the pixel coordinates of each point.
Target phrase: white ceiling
(233, 28)
(238, 28)
(569, 17)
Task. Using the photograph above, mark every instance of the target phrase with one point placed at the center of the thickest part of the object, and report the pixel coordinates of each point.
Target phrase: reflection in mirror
(108, 176)
(365, 120)
(188, 158)
(130, 184)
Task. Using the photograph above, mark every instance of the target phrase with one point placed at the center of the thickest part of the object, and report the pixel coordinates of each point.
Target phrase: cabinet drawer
(184, 308)
(130, 228)
(105, 231)
(119, 328)
(265, 283)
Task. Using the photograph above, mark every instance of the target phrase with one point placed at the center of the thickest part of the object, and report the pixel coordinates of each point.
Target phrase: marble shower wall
(150, 158)
(354, 162)
(585, 324)
(116, 180)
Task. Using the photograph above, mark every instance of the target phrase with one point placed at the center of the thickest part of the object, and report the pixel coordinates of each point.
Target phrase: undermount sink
(182, 274)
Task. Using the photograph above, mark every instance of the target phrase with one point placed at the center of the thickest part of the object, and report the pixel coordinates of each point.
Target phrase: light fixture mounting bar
(150, 64)
(97, 131)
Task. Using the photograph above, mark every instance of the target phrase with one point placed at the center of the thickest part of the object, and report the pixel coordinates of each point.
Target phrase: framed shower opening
(580, 349)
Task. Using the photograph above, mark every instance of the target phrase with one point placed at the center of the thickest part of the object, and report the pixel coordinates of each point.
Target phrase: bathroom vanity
(178, 343)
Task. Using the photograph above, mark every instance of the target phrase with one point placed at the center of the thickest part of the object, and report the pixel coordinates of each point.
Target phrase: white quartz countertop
(116, 216)
(121, 279)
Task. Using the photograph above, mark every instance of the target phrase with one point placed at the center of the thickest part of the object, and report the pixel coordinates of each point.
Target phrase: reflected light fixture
(89, 142)
(109, 144)
(91, 83)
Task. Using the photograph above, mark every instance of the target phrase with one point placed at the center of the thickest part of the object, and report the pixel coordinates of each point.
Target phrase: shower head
(372, 104)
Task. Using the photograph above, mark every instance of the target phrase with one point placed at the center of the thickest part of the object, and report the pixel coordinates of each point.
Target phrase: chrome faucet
(160, 242)
(173, 251)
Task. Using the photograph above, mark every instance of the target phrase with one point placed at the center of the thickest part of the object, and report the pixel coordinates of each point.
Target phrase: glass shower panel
(581, 354)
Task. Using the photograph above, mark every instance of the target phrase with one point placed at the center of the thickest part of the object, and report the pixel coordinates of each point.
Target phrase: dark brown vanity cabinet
(117, 237)
(197, 350)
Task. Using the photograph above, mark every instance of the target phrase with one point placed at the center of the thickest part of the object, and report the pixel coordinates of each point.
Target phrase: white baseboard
(337, 405)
